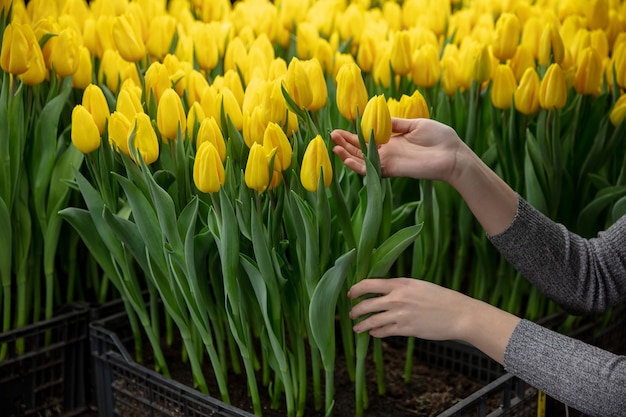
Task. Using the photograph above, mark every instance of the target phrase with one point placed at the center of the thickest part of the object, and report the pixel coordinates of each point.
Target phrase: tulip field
(181, 149)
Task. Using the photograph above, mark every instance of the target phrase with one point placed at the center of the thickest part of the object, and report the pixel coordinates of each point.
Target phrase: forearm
(492, 201)
(487, 328)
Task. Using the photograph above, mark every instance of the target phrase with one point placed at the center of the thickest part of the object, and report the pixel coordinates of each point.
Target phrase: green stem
(380, 366)
(408, 363)
(362, 342)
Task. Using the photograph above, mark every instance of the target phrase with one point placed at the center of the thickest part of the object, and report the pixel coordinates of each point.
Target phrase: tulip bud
(618, 112)
(16, 49)
(195, 116)
(382, 70)
(315, 159)
(376, 121)
(208, 170)
(65, 53)
(522, 60)
(128, 38)
(507, 34)
(553, 90)
(297, 84)
(84, 73)
(366, 54)
(275, 138)
(449, 68)
(118, 129)
(210, 132)
(157, 80)
(144, 140)
(205, 47)
(481, 64)
(531, 35)
(232, 81)
(619, 65)
(257, 176)
(527, 93)
(551, 48)
(96, 103)
(427, 69)
(171, 115)
(227, 99)
(597, 12)
(37, 71)
(209, 103)
(254, 125)
(109, 72)
(128, 103)
(503, 87)
(588, 78)
(413, 106)
(351, 92)
(162, 29)
(103, 35)
(307, 38)
(85, 135)
(317, 81)
(236, 56)
(401, 57)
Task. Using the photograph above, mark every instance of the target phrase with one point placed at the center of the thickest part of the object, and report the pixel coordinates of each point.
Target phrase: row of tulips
(187, 145)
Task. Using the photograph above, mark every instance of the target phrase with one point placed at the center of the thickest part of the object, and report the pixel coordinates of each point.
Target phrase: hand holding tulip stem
(427, 149)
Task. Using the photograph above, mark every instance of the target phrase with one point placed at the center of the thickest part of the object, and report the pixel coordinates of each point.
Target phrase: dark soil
(429, 391)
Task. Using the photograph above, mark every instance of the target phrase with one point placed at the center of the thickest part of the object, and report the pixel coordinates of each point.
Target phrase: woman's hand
(419, 148)
(411, 307)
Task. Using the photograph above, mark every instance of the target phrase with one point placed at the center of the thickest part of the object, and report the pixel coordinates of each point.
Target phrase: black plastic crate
(48, 377)
(124, 386)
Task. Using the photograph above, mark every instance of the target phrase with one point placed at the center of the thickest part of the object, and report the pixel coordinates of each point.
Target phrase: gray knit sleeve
(582, 275)
(587, 378)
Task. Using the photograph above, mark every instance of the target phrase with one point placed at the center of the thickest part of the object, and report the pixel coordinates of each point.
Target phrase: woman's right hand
(418, 148)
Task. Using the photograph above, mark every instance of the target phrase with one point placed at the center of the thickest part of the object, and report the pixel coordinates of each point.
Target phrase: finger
(399, 125)
(375, 321)
(370, 286)
(348, 141)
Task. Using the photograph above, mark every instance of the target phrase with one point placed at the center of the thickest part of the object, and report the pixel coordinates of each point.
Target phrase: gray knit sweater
(581, 275)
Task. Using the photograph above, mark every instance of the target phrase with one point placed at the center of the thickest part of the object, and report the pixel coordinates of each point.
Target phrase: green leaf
(6, 243)
(619, 209)
(388, 252)
(323, 304)
(591, 212)
(534, 192)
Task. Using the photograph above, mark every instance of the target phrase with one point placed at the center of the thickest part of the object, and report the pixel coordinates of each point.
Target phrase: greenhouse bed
(44, 370)
(123, 384)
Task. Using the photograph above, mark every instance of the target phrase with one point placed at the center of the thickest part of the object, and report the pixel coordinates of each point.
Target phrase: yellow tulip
(37, 71)
(157, 80)
(315, 159)
(110, 70)
(317, 81)
(352, 95)
(274, 138)
(507, 34)
(227, 99)
(128, 38)
(588, 78)
(277, 69)
(85, 136)
(382, 71)
(96, 104)
(619, 65)
(531, 35)
(324, 55)
(366, 54)
(297, 83)
(196, 84)
(171, 115)
(208, 170)
(522, 60)
(257, 176)
(103, 35)
(449, 68)
(118, 129)
(597, 13)
(210, 132)
(232, 81)
(195, 116)
(481, 63)
(526, 95)
(427, 69)
(128, 103)
(581, 41)
(401, 58)
(307, 38)
(236, 56)
(413, 106)
(84, 73)
(16, 49)
(145, 142)
(205, 47)
(553, 90)
(551, 48)
(162, 29)
(209, 103)
(503, 87)
(254, 124)
(618, 112)
(376, 121)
